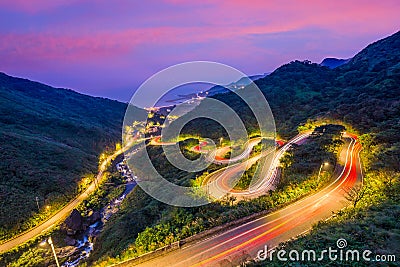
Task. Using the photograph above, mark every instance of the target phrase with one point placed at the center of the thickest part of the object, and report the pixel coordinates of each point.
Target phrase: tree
(355, 194)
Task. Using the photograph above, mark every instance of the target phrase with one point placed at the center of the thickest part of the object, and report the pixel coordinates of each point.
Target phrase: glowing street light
(50, 242)
(320, 168)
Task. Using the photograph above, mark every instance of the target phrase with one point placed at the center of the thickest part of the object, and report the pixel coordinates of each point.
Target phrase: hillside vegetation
(370, 102)
(363, 95)
(144, 224)
(49, 139)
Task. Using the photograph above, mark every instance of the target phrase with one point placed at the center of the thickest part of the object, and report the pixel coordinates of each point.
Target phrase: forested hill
(359, 94)
(364, 93)
(49, 139)
(380, 55)
(334, 62)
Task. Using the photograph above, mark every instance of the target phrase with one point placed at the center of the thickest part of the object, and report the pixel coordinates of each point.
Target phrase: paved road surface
(222, 181)
(237, 244)
(64, 212)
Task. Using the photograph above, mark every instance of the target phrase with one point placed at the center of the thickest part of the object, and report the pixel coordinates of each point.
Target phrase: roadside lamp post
(320, 168)
(95, 182)
(37, 203)
(50, 241)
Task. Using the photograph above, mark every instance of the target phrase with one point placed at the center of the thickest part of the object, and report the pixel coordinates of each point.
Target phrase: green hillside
(58, 129)
(49, 139)
(360, 95)
(364, 94)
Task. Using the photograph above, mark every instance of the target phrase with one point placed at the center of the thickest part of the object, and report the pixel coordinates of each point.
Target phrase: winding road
(63, 213)
(241, 243)
(223, 180)
(216, 155)
(234, 246)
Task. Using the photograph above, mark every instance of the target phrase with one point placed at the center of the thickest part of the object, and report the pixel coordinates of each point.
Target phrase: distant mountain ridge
(241, 83)
(332, 63)
(377, 56)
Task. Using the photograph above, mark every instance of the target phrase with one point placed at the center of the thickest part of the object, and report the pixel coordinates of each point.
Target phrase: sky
(108, 48)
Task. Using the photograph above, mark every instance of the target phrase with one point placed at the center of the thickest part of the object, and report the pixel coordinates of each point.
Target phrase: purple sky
(108, 48)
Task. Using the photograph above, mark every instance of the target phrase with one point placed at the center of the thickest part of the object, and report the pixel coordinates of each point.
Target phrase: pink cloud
(340, 16)
(255, 36)
(70, 47)
(34, 6)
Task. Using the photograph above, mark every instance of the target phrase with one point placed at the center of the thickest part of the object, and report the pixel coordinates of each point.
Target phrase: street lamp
(95, 182)
(37, 203)
(50, 241)
(320, 168)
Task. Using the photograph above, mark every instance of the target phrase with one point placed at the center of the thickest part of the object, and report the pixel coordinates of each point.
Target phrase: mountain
(380, 55)
(49, 139)
(241, 83)
(363, 97)
(332, 63)
(364, 92)
(190, 91)
(246, 80)
(376, 56)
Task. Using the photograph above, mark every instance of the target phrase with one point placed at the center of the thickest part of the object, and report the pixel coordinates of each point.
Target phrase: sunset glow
(107, 48)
